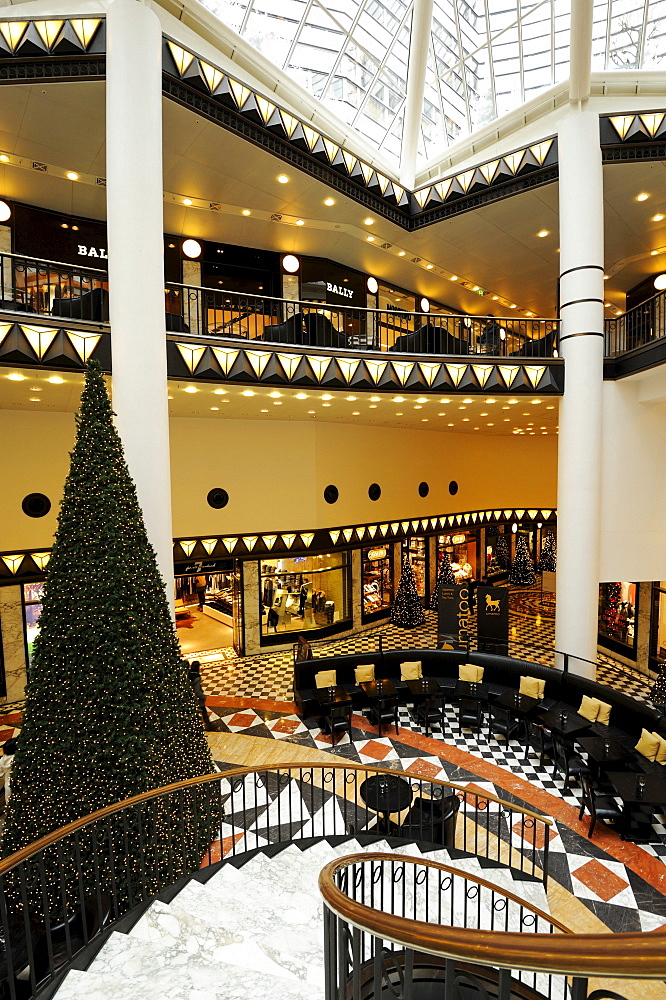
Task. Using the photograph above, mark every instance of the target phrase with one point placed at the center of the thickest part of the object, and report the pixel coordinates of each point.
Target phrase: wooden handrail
(52, 838)
(333, 867)
(625, 956)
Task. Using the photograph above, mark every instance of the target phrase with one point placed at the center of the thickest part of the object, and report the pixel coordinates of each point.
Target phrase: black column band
(575, 302)
(585, 333)
(581, 267)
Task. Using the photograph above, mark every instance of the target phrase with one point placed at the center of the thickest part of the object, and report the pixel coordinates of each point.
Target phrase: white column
(136, 264)
(582, 347)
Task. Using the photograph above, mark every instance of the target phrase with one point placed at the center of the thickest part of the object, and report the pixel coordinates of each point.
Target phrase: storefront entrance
(209, 609)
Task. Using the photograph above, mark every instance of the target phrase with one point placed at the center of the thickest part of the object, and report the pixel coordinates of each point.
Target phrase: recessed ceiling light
(606, 277)
(246, 211)
(247, 392)
(495, 298)
(491, 425)
(401, 253)
(275, 394)
(329, 201)
(35, 399)
(72, 175)
(356, 413)
(301, 395)
(350, 399)
(424, 420)
(468, 400)
(445, 400)
(299, 222)
(220, 392)
(529, 314)
(263, 411)
(327, 396)
(35, 388)
(15, 377)
(454, 277)
(169, 397)
(462, 407)
(441, 414)
(543, 232)
(607, 305)
(4, 158)
(277, 402)
(653, 253)
(325, 404)
(512, 402)
(422, 399)
(491, 400)
(550, 407)
(282, 179)
(642, 197)
(368, 222)
(483, 414)
(429, 267)
(536, 402)
(373, 406)
(513, 306)
(418, 407)
(399, 414)
(475, 288)
(658, 217)
(309, 411)
(215, 408)
(465, 420)
(187, 201)
(191, 388)
(370, 239)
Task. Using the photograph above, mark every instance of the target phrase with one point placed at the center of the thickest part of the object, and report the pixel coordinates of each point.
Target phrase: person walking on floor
(195, 681)
(201, 583)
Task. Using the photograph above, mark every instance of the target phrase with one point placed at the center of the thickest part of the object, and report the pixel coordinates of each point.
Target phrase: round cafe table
(386, 793)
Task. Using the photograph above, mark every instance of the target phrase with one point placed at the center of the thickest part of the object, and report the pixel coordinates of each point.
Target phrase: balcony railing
(639, 326)
(49, 288)
(221, 313)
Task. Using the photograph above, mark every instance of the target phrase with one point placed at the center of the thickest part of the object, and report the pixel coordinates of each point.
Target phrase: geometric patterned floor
(621, 883)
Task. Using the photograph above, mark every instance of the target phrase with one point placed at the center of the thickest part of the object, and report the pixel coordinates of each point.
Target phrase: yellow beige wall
(275, 473)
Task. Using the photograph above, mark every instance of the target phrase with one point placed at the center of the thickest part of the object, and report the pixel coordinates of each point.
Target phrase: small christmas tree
(110, 712)
(522, 571)
(548, 559)
(502, 552)
(444, 577)
(407, 609)
(658, 692)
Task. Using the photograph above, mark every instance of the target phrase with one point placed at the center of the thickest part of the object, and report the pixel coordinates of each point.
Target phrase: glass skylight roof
(485, 57)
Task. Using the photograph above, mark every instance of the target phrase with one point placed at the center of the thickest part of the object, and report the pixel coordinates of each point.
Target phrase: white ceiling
(495, 247)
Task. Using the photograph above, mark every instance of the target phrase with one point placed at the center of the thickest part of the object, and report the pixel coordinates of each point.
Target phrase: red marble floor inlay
(285, 726)
(535, 837)
(376, 750)
(423, 769)
(242, 721)
(600, 879)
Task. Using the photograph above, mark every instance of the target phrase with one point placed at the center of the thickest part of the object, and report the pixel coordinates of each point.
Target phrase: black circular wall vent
(374, 491)
(218, 498)
(36, 505)
(424, 489)
(331, 494)
(453, 487)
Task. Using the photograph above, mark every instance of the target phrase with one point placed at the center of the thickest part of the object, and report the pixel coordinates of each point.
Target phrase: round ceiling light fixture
(425, 305)
(192, 248)
(291, 263)
(660, 282)
(373, 286)
(5, 211)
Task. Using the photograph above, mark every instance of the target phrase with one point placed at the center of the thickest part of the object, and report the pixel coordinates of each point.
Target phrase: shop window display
(305, 592)
(617, 616)
(377, 580)
(461, 550)
(416, 551)
(208, 610)
(658, 626)
(32, 609)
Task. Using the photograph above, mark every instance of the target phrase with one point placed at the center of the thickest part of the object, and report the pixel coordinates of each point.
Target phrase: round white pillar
(136, 262)
(582, 347)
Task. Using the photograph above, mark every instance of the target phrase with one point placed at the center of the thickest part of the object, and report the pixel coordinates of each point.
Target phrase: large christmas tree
(110, 712)
(444, 577)
(407, 609)
(522, 570)
(548, 559)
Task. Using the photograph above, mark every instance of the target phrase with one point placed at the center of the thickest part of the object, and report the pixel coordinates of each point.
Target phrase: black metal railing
(49, 288)
(63, 891)
(639, 326)
(220, 313)
(383, 897)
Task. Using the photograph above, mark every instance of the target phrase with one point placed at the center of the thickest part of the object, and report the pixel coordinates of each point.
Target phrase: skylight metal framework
(484, 57)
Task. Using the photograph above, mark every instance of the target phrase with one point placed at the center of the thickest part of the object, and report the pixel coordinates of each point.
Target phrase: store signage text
(457, 539)
(377, 554)
(346, 293)
(463, 614)
(92, 252)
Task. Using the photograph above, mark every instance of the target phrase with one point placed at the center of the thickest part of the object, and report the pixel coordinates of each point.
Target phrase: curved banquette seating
(628, 716)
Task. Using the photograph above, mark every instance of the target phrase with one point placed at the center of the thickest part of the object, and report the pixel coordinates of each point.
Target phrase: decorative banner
(453, 615)
(493, 620)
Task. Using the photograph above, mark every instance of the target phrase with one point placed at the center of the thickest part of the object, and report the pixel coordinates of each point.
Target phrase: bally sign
(345, 293)
(453, 615)
(99, 252)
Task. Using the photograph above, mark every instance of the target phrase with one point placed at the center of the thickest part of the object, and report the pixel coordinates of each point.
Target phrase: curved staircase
(254, 927)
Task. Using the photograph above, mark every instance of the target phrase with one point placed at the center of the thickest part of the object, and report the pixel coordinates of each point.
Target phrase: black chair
(175, 323)
(428, 712)
(568, 763)
(337, 719)
(541, 740)
(289, 332)
(502, 722)
(320, 332)
(599, 806)
(430, 821)
(541, 348)
(430, 339)
(470, 713)
(12, 305)
(384, 712)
